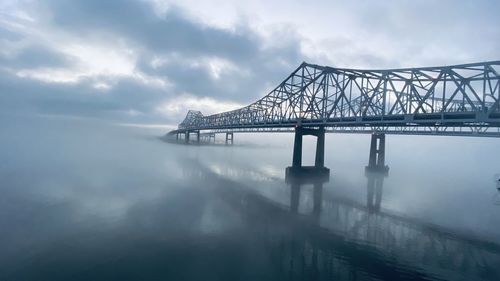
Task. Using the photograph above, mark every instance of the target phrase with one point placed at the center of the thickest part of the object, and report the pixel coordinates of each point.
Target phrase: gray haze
(90, 192)
(87, 200)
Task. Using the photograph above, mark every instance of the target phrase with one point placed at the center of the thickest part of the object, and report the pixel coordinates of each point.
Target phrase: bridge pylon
(376, 160)
(187, 135)
(229, 137)
(319, 169)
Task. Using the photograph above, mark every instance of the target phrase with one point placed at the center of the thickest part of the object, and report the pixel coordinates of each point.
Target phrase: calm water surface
(82, 200)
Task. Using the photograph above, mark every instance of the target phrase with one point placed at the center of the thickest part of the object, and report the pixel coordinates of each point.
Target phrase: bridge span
(458, 100)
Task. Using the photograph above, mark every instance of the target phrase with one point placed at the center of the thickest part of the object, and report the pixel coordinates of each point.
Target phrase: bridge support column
(229, 137)
(177, 137)
(211, 136)
(376, 160)
(186, 137)
(375, 172)
(319, 163)
(297, 148)
(198, 137)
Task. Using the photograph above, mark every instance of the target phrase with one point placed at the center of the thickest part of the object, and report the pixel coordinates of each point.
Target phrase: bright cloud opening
(179, 106)
(216, 67)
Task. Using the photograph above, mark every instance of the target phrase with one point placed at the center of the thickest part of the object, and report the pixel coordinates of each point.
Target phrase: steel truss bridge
(458, 100)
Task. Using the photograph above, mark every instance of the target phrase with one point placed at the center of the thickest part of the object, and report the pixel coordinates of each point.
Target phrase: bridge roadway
(458, 100)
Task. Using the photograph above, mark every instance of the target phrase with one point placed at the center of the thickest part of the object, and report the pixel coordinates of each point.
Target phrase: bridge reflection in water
(343, 239)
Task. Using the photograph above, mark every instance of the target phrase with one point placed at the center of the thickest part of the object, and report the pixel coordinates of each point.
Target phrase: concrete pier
(319, 168)
(376, 160)
(375, 172)
(229, 137)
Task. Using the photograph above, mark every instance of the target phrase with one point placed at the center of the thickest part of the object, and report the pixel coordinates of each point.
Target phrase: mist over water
(83, 200)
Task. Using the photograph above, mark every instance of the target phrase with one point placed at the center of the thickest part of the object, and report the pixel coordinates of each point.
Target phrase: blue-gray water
(83, 200)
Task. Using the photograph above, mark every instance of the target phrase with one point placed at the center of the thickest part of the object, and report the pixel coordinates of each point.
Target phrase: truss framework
(447, 100)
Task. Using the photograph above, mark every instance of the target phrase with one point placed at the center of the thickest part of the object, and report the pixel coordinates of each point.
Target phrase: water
(84, 200)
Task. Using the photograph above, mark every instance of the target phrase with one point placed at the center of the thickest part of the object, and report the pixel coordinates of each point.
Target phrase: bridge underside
(457, 132)
(464, 129)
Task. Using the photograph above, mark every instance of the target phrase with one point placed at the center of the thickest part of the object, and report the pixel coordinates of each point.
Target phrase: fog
(87, 200)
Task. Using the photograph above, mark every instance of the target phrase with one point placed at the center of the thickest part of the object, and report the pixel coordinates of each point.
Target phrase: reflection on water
(374, 189)
(140, 209)
(345, 240)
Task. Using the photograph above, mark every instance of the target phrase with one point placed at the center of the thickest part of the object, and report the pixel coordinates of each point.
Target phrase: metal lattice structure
(447, 100)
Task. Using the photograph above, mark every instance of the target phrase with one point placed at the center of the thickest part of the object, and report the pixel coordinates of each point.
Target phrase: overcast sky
(148, 62)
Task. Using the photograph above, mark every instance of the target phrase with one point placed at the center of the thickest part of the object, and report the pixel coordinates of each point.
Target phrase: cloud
(107, 66)
(127, 60)
(214, 66)
(179, 106)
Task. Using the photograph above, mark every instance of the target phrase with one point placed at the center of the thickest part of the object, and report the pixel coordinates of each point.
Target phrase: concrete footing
(307, 174)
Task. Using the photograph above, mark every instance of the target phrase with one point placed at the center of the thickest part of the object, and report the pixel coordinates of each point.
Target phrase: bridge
(458, 100)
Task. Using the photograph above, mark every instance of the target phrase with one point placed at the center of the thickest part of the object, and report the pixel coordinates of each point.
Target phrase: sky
(149, 61)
